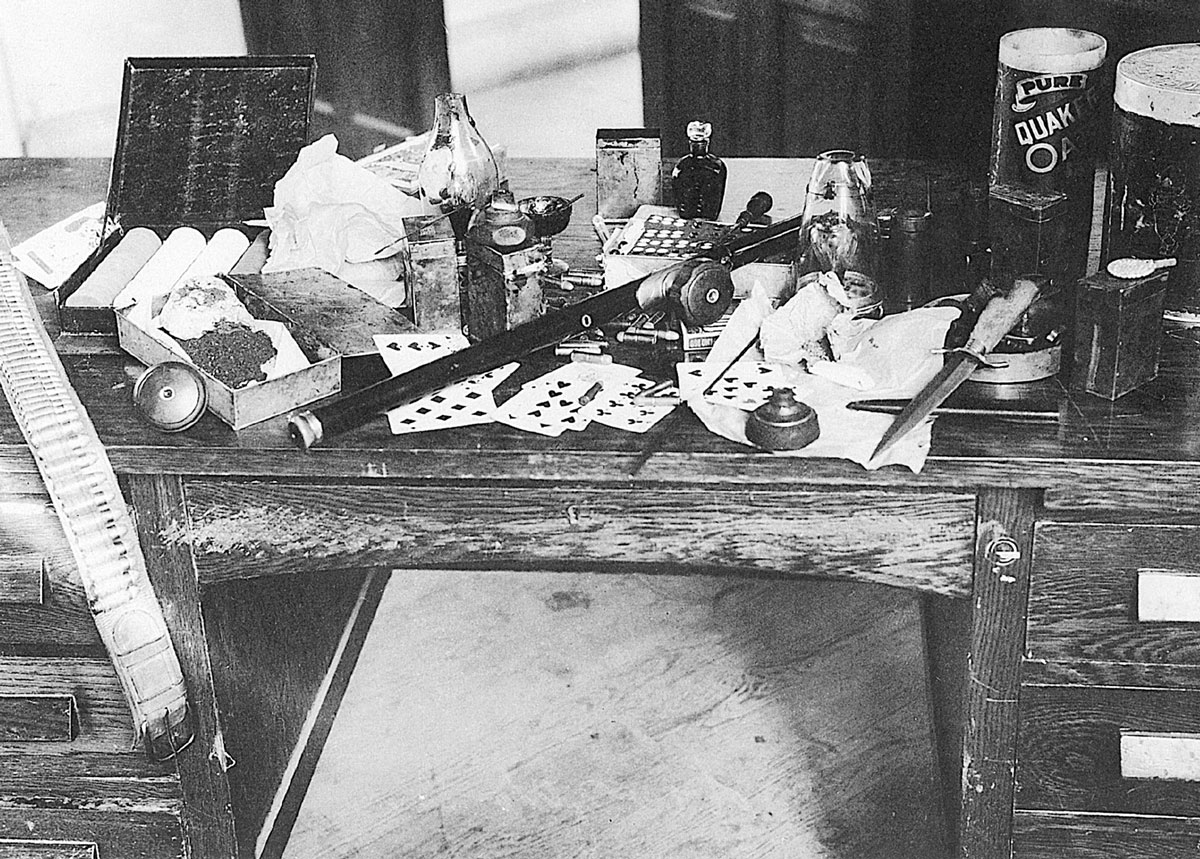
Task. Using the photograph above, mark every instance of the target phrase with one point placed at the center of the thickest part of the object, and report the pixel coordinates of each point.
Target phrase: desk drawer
(922, 540)
(1115, 604)
(1110, 750)
(59, 834)
(42, 603)
(1038, 835)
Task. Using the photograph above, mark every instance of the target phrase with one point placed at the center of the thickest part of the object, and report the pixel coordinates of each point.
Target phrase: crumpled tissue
(893, 357)
(332, 214)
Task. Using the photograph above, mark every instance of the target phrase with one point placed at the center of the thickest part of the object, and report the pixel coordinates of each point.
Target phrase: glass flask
(458, 173)
(838, 232)
(699, 177)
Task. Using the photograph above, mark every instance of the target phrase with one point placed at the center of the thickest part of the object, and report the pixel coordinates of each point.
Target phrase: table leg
(207, 815)
(1003, 555)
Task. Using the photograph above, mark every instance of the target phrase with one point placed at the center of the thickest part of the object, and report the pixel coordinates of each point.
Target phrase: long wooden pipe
(698, 288)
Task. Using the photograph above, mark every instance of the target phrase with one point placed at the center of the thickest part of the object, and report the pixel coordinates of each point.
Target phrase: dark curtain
(379, 62)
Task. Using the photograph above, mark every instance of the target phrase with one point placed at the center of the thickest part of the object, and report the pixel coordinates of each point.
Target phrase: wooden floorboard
(575, 714)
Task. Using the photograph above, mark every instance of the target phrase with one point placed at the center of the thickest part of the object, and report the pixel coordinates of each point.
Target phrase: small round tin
(170, 396)
(783, 423)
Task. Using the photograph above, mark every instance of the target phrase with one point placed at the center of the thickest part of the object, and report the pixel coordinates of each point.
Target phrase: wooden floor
(591, 715)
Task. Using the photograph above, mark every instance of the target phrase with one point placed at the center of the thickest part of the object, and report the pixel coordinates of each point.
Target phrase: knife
(1014, 410)
(999, 315)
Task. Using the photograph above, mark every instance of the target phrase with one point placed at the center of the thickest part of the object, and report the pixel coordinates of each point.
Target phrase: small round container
(782, 423)
(170, 396)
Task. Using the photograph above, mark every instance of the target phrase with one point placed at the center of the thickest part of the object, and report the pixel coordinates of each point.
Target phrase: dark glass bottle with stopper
(699, 177)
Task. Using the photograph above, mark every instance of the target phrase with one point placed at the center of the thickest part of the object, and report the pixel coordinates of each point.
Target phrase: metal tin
(1152, 208)
(1118, 332)
(170, 396)
(628, 170)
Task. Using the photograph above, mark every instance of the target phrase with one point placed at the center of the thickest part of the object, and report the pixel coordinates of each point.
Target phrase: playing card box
(200, 142)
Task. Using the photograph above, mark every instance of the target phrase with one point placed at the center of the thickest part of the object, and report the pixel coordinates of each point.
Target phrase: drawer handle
(1173, 756)
(36, 848)
(37, 718)
(22, 579)
(1168, 595)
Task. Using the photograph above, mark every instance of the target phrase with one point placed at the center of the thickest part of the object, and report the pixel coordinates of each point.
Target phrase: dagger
(997, 318)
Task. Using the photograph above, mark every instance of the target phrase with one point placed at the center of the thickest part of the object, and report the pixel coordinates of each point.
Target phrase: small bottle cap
(170, 396)
(698, 131)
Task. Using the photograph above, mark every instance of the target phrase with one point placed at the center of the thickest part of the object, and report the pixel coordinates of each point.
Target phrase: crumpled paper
(894, 357)
(332, 214)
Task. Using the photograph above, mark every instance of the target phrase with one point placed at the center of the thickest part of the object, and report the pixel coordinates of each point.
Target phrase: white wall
(61, 63)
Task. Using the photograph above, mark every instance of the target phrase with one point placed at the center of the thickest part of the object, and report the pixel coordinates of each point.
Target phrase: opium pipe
(649, 292)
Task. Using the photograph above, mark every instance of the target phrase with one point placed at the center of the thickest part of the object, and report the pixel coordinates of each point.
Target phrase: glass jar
(838, 231)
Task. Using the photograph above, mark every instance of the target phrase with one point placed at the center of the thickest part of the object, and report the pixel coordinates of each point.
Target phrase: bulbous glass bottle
(458, 173)
(699, 177)
(838, 232)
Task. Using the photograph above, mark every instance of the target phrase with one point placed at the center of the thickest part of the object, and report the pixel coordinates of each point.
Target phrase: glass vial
(699, 177)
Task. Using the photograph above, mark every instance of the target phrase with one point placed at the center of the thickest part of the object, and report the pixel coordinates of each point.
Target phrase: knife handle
(1002, 312)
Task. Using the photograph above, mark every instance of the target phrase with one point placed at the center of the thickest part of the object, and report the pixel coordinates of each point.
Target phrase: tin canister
(1047, 128)
(628, 170)
(1152, 206)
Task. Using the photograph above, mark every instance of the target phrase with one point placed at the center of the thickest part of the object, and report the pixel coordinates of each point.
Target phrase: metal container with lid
(1152, 207)
(170, 396)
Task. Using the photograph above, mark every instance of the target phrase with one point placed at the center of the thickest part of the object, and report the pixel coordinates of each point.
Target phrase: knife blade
(1010, 411)
(998, 317)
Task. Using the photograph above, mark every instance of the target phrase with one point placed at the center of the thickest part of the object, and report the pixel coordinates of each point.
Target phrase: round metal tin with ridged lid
(170, 396)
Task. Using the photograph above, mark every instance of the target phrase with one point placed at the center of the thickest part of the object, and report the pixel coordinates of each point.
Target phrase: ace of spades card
(746, 385)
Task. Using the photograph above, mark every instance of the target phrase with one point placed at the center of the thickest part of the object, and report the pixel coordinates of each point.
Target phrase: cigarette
(589, 358)
(601, 229)
(590, 393)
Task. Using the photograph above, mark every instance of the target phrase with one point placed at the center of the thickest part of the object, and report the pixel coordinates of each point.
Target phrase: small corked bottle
(699, 177)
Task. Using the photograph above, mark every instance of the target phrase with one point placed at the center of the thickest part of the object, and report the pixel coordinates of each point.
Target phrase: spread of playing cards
(568, 398)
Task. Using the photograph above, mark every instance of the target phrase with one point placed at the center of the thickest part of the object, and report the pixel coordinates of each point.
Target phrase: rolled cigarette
(158, 275)
(116, 270)
(221, 254)
(589, 358)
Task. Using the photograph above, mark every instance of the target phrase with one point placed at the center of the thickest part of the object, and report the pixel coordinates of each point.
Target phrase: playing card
(403, 352)
(746, 385)
(617, 408)
(547, 409)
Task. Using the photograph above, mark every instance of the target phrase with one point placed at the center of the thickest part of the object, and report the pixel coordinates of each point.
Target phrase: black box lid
(203, 140)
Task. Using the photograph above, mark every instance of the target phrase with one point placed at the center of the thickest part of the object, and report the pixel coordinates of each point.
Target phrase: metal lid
(170, 396)
(1162, 82)
(1052, 50)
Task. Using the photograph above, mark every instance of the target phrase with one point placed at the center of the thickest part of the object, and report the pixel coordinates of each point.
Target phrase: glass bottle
(458, 173)
(838, 232)
(699, 177)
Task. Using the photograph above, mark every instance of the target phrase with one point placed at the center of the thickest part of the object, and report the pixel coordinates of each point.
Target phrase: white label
(1168, 595)
(1166, 756)
(508, 236)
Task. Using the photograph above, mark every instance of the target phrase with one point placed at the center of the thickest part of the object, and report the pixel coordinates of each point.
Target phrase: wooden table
(241, 532)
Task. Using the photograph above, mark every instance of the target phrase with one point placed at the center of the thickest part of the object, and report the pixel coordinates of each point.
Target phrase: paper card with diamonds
(746, 385)
(462, 404)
